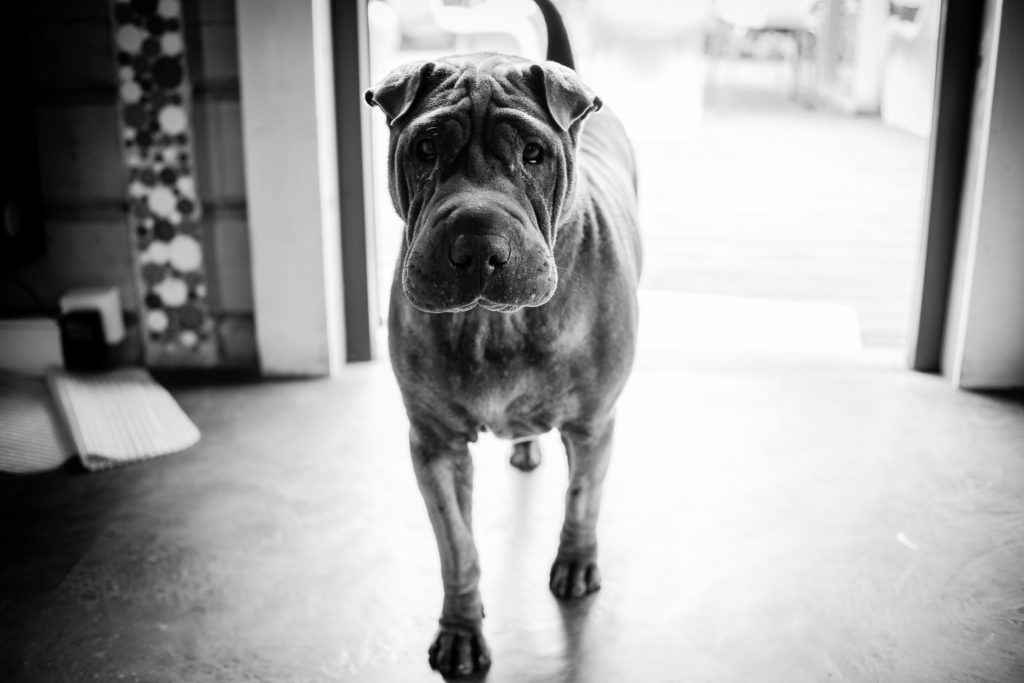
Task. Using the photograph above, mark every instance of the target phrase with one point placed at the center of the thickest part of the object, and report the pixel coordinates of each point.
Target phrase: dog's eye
(533, 153)
(426, 150)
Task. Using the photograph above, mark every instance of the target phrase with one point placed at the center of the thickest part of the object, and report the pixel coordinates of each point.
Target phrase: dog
(513, 306)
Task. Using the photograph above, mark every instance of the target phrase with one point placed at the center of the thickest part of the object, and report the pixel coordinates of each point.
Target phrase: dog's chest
(515, 411)
(520, 408)
(512, 380)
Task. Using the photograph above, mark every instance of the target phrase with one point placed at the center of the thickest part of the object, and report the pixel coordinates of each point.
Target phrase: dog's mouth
(438, 288)
(448, 306)
(497, 307)
(492, 306)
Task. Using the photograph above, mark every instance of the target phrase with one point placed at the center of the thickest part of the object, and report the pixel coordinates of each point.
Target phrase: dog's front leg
(444, 471)
(574, 573)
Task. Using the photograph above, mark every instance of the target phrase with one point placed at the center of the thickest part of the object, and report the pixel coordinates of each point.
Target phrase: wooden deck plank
(788, 203)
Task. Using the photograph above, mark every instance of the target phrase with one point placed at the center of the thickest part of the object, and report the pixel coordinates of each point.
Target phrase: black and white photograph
(512, 341)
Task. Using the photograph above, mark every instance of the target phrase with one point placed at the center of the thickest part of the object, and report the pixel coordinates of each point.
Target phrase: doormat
(120, 417)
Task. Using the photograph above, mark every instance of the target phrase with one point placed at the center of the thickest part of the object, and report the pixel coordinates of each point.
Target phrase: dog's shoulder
(608, 185)
(604, 142)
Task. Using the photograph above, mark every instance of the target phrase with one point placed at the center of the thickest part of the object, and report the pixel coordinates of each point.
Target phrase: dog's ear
(396, 94)
(567, 98)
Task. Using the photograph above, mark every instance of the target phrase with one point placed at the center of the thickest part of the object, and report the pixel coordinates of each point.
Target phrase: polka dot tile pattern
(163, 206)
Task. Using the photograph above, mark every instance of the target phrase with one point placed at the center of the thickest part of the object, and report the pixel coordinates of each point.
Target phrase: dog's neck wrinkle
(481, 337)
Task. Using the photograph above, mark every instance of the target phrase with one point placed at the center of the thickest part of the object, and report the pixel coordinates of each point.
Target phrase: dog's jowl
(514, 305)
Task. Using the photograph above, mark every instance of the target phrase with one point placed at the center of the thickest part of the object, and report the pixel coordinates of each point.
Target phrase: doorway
(782, 153)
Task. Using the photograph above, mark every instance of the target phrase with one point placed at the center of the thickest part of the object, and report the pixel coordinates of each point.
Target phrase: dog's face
(481, 165)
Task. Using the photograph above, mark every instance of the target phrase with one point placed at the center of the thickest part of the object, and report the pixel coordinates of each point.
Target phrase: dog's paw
(459, 652)
(574, 578)
(525, 455)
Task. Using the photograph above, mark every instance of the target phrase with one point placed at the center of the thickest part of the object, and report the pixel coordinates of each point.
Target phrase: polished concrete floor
(781, 518)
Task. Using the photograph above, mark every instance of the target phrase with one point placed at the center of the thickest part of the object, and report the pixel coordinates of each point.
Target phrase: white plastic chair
(492, 26)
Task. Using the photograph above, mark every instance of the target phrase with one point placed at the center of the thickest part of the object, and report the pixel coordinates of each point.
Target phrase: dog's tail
(559, 50)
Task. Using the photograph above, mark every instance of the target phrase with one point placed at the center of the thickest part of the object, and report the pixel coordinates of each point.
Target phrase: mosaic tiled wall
(163, 204)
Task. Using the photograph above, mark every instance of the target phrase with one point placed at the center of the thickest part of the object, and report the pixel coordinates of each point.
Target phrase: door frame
(351, 61)
(347, 191)
(955, 83)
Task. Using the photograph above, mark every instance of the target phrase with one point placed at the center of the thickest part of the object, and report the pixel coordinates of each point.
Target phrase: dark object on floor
(82, 340)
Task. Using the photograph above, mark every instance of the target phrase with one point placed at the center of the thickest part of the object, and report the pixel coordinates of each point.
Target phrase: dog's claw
(459, 653)
(526, 455)
(572, 579)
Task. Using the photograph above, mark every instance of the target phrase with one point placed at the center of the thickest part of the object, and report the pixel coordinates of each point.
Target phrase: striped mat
(31, 436)
(119, 417)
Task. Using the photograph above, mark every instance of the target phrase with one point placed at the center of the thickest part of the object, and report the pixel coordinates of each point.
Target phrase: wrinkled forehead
(476, 88)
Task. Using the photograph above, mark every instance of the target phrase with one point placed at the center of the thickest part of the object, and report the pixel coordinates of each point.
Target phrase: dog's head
(481, 165)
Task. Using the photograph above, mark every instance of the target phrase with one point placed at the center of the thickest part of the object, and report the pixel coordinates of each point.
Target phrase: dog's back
(606, 160)
(607, 165)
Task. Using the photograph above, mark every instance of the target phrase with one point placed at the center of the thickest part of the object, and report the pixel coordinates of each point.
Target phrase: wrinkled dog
(514, 304)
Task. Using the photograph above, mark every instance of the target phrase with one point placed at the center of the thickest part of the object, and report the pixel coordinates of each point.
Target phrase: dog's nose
(486, 253)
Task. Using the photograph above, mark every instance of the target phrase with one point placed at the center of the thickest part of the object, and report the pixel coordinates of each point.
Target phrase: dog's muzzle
(478, 252)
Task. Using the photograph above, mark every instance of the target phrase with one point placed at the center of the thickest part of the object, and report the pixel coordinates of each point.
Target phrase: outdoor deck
(785, 202)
